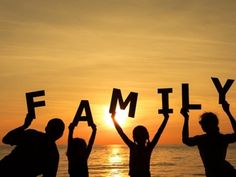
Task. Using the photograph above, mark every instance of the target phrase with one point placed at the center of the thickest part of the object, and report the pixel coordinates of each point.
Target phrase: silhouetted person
(212, 145)
(78, 153)
(141, 148)
(35, 152)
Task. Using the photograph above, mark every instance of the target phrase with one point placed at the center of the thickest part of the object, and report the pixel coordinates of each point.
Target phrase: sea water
(113, 161)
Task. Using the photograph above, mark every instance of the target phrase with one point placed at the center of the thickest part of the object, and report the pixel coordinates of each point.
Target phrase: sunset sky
(80, 50)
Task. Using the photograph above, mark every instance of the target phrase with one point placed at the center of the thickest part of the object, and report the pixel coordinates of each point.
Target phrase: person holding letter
(212, 145)
(78, 152)
(140, 148)
(35, 153)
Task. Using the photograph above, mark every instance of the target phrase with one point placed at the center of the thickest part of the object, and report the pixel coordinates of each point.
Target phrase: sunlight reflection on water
(115, 155)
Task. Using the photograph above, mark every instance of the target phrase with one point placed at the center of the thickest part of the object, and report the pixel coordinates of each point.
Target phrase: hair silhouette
(209, 122)
(55, 128)
(140, 148)
(212, 145)
(140, 135)
(35, 152)
(78, 152)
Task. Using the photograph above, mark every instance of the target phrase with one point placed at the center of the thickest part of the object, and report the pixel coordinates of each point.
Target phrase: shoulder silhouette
(35, 152)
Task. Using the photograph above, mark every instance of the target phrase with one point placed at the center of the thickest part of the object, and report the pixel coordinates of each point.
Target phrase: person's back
(35, 152)
(77, 158)
(78, 152)
(139, 160)
(213, 149)
(212, 145)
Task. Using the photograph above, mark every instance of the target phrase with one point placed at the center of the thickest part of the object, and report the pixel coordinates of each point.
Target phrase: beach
(113, 161)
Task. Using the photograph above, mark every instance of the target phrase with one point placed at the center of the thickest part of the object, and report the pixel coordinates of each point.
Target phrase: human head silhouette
(78, 147)
(140, 135)
(55, 128)
(209, 122)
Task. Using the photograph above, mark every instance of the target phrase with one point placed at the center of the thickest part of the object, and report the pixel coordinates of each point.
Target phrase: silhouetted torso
(33, 155)
(139, 161)
(213, 149)
(78, 166)
(141, 147)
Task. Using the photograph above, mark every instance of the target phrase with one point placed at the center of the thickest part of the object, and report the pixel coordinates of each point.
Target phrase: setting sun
(121, 116)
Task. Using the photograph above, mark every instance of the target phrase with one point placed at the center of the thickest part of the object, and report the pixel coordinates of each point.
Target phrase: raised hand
(113, 115)
(94, 127)
(225, 106)
(72, 126)
(184, 112)
(28, 121)
(166, 115)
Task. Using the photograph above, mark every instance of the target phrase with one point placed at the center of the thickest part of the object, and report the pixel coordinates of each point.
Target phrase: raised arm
(159, 131)
(91, 140)
(15, 136)
(185, 133)
(120, 131)
(70, 137)
(225, 106)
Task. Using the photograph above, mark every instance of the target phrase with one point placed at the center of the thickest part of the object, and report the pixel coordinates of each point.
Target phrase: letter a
(84, 105)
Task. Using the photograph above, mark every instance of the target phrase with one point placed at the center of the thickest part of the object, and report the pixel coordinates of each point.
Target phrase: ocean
(112, 161)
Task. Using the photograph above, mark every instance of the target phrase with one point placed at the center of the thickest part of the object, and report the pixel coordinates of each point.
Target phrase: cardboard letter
(30, 101)
(222, 90)
(165, 100)
(185, 99)
(84, 105)
(132, 99)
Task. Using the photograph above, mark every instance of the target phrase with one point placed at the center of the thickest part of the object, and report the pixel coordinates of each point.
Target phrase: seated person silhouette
(78, 152)
(212, 145)
(141, 148)
(35, 152)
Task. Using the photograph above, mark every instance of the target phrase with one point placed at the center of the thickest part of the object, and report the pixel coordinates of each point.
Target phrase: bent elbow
(5, 140)
(186, 142)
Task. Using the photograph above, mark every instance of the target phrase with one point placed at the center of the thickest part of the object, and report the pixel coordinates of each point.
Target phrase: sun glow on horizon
(121, 117)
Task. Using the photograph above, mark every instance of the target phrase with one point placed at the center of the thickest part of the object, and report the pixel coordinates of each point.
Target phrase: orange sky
(78, 50)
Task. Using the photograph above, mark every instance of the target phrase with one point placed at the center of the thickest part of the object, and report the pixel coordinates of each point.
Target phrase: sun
(121, 117)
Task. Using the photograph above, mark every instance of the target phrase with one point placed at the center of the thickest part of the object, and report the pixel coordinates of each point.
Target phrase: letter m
(132, 99)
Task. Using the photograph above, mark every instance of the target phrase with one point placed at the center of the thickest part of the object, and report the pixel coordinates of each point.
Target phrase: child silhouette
(212, 145)
(78, 152)
(141, 148)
